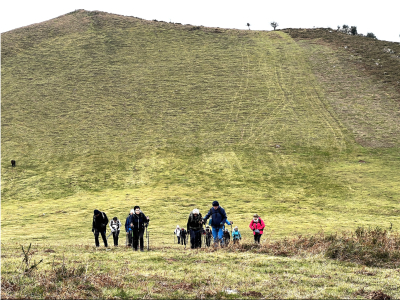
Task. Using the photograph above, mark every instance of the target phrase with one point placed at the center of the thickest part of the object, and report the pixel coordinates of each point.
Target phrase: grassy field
(106, 112)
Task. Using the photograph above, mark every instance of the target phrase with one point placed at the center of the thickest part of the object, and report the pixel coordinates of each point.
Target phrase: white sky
(380, 17)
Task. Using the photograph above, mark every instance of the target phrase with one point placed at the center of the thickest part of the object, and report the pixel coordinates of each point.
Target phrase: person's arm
(251, 225)
(110, 226)
(93, 225)
(262, 224)
(106, 219)
(224, 217)
(127, 224)
(207, 215)
(227, 222)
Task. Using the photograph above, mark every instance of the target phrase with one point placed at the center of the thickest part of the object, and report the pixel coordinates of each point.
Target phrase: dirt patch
(252, 294)
(49, 251)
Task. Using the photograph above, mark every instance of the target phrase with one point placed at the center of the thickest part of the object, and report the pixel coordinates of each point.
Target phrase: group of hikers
(137, 222)
(135, 225)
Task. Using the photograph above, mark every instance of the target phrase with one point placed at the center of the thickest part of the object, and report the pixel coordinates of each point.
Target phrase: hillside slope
(97, 106)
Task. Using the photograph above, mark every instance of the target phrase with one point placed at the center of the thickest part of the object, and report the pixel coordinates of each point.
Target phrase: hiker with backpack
(236, 236)
(138, 222)
(177, 232)
(257, 225)
(218, 220)
(227, 237)
(128, 228)
(195, 228)
(115, 226)
(183, 236)
(99, 226)
(208, 236)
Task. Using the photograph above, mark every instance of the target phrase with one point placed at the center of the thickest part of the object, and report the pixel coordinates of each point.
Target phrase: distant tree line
(352, 30)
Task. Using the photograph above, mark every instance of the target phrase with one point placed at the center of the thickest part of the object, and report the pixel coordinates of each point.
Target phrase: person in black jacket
(183, 236)
(99, 225)
(138, 221)
(195, 228)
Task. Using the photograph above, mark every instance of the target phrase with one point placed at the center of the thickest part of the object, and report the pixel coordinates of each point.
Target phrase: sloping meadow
(106, 112)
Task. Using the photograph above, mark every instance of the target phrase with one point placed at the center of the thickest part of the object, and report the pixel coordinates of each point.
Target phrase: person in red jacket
(257, 225)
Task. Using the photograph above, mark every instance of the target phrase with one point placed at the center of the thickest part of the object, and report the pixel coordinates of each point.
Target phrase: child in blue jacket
(236, 236)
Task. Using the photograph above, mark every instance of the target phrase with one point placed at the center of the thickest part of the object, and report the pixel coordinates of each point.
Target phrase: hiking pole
(147, 235)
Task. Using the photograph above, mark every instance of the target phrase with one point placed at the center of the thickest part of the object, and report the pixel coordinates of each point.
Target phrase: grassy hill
(105, 112)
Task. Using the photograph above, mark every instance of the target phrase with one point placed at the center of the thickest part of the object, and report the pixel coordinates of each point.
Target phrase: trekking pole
(174, 238)
(147, 235)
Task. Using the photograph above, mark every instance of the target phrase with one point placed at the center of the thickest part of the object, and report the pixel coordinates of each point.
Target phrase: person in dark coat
(99, 226)
(183, 236)
(227, 237)
(128, 228)
(138, 222)
(218, 215)
(208, 236)
(195, 228)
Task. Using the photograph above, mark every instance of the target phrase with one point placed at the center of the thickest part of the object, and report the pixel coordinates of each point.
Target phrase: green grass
(83, 271)
(104, 111)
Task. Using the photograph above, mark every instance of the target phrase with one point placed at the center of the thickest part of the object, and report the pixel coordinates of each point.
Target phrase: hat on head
(196, 211)
(215, 203)
(136, 207)
(256, 216)
(132, 211)
(115, 218)
(177, 226)
(96, 212)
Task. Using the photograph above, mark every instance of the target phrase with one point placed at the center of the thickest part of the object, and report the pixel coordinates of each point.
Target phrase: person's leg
(104, 237)
(179, 239)
(141, 232)
(255, 238)
(215, 234)
(96, 238)
(135, 239)
(192, 238)
(129, 238)
(198, 239)
(116, 238)
(220, 235)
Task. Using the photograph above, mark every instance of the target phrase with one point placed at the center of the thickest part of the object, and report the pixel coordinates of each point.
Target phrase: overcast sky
(380, 17)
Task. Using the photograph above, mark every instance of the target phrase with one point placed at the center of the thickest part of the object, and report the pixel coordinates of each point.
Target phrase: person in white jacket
(177, 232)
(115, 226)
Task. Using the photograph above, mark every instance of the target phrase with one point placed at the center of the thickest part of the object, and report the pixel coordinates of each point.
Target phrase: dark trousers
(195, 238)
(103, 236)
(208, 240)
(115, 237)
(137, 235)
(179, 239)
(226, 241)
(183, 240)
(257, 238)
(235, 241)
(129, 238)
